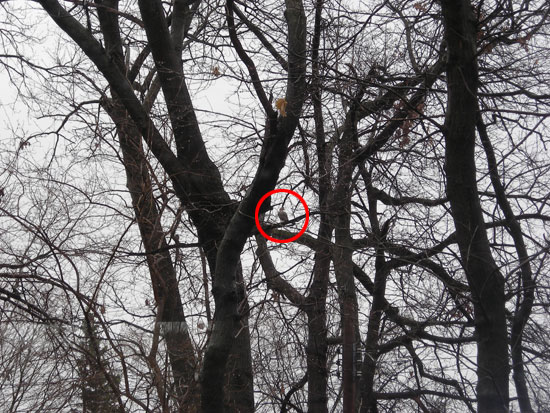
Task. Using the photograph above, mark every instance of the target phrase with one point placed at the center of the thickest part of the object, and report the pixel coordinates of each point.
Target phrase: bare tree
(415, 130)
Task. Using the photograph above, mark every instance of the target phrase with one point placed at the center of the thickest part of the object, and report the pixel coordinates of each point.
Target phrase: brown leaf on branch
(280, 104)
(420, 6)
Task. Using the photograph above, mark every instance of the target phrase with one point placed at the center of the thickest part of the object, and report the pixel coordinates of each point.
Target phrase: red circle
(281, 241)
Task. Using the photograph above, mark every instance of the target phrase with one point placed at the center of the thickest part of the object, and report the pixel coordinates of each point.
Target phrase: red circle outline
(261, 201)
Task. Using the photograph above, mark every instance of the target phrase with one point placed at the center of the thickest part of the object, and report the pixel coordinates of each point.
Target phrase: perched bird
(283, 216)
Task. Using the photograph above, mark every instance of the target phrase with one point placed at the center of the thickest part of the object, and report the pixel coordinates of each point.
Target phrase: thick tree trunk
(272, 160)
(317, 318)
(163, 275)
(343, 266)
(526, 293)
(239, 377)
(342, 253)
(316, 349)
(317, 346)
(484, 278)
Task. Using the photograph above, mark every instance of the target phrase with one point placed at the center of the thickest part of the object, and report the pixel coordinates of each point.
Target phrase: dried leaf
(280, 104)
(523, 41)
(405, 140)
(488, 48)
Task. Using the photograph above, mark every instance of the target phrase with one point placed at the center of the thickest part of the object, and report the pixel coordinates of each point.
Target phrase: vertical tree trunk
(379, 304)
(316, 309)
(239, 375)
(317, 373)
(240, 397)
(272, 160)
(342, 257)
(526, 293)
(163, 274)
(484, 278)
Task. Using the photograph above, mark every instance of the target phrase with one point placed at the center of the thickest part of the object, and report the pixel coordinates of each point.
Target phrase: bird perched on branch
(283, 216)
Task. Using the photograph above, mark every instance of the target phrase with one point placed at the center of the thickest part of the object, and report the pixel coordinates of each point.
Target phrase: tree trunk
(526, 284)
(239, 376)
(484, 278)
(272, 160)
(342, 252)
(163, 274)
(317, 346)
(379, 305)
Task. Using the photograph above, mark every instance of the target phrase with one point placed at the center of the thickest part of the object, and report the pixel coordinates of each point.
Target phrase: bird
(283, 216)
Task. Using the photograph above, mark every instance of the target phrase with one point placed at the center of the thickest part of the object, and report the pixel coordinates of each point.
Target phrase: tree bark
(526, 284)
(484, 278)
(163, 275)
(317, 346)
(342, 253)
(239, 389)
(379, 305)
(272, 159)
